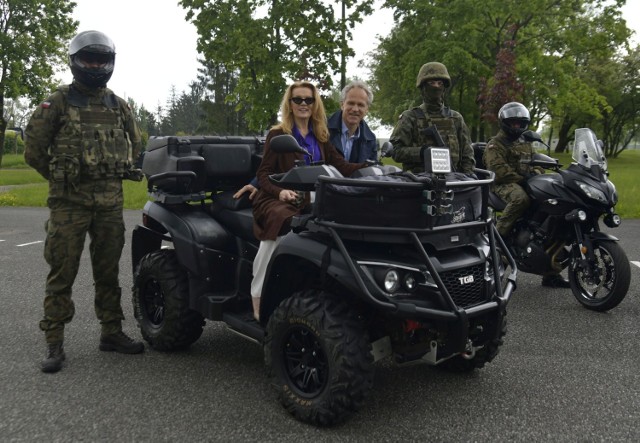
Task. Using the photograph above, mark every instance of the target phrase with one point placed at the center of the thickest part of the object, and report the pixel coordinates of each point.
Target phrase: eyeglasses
(306, 100)
(435, 82)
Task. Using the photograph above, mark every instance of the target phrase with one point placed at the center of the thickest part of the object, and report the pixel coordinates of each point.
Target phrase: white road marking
(32, 243)
(637, 263)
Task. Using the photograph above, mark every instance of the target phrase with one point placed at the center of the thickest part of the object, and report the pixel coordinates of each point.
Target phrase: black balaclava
(433, 97)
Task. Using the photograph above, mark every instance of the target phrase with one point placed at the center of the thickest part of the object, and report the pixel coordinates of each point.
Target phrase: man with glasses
(432, 124)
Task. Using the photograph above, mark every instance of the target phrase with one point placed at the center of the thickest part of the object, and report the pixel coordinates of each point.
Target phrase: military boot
(54, 359)
(120, 342)
(555, 281)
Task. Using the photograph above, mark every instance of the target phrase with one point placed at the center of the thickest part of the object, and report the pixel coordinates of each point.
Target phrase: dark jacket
(365, 146)
(271, 217)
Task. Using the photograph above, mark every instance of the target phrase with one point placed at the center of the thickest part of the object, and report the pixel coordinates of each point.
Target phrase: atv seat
(235, 214)
(188, 165)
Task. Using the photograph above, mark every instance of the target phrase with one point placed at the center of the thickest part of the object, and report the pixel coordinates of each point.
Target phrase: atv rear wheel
(319, 357)
(161, 303)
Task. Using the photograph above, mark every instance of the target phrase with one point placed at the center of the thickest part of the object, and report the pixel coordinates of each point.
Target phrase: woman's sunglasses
(300, 100)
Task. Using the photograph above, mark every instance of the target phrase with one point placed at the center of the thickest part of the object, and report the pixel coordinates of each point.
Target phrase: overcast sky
(156, 47)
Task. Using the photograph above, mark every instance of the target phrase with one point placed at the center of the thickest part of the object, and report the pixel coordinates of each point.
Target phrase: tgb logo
(466, 279)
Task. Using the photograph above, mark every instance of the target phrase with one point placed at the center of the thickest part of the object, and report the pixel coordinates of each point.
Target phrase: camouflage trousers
(66, 231)
(517, 202)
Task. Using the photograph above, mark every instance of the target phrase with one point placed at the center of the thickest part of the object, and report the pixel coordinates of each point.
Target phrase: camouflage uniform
(408, 138)
(504, 157)
(83, 141)
(417, 127)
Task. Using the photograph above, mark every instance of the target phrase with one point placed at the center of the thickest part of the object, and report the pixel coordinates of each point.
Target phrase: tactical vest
(519, 155)
(92, 142)
(446, 127)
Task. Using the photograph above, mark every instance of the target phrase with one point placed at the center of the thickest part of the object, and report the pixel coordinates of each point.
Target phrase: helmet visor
(94, 59)
(517, 112)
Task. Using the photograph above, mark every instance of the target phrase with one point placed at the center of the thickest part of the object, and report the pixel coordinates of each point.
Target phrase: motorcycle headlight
(592, 192)
(614, 192)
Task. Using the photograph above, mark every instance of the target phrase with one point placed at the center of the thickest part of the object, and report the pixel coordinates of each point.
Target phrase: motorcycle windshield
(587, 151)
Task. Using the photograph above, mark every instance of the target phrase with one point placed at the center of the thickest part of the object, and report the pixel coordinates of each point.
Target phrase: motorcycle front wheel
(605, 284)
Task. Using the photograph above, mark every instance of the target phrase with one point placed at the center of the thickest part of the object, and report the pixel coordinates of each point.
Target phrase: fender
(193, 232)
(305, 254)
(594, 236)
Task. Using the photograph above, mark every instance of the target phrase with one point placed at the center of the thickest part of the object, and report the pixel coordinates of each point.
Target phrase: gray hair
(356, 84)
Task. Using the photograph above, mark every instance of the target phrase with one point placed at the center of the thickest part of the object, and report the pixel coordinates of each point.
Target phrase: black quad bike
(385, 265)
(560, 229)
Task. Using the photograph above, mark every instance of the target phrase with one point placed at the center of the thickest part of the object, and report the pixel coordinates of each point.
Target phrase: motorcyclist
(504, 155)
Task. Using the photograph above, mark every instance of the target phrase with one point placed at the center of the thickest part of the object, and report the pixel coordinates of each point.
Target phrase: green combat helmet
(433, 71)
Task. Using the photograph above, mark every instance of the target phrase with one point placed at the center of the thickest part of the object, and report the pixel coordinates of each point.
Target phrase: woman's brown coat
(271, 217)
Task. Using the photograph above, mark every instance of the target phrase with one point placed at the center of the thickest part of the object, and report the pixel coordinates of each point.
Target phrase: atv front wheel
(161, 303)
(319, 357)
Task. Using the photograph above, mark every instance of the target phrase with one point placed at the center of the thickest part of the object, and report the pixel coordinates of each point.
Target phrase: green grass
(14, 171)
(19, 177)
(13, 161)
(623, 173)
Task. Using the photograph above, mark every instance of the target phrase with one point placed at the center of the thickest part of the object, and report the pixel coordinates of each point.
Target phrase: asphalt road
(564, 373)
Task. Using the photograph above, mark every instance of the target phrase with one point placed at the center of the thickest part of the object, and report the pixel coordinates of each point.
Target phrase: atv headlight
(592, 192)
(397, 280)
(410, 283)
(391, 281)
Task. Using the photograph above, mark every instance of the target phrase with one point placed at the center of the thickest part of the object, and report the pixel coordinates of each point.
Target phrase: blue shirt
(347, 140)
(363, 148)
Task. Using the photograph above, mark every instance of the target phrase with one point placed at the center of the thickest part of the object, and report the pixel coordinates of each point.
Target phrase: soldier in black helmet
(504, 155)
(83, 139)
(432, 124)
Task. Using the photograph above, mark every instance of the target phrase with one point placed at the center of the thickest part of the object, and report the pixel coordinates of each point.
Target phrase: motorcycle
(560, 229)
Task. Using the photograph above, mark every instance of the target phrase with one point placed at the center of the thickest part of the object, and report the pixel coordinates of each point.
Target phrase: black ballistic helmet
(92, 46)
(514, 112)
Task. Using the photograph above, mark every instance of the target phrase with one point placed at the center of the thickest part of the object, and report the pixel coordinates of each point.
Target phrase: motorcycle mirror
(386, 150)
(286, 143)
(532, 136)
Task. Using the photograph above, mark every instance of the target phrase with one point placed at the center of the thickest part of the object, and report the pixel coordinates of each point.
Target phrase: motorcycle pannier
(393, 201)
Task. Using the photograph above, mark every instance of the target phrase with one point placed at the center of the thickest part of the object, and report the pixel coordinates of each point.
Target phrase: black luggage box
(392, 201)
(217, 163)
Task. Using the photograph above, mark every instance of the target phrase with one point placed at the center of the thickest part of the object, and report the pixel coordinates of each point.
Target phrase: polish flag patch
(45, 105)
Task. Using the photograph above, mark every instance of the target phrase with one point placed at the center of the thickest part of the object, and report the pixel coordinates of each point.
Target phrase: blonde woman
(303, 116)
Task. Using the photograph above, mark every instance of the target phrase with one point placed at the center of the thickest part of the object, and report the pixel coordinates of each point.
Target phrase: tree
(619, 123)
(222, 113)
(32, 43)
(548, 44)
(267, 44)
(17, 112)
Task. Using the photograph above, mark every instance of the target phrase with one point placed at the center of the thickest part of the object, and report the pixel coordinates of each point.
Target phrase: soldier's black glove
(471, 175)
(135, 175)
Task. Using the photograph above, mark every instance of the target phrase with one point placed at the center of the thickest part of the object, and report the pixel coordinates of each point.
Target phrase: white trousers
(260, 263)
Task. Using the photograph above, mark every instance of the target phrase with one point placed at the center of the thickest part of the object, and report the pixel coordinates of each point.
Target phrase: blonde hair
(318, 114)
